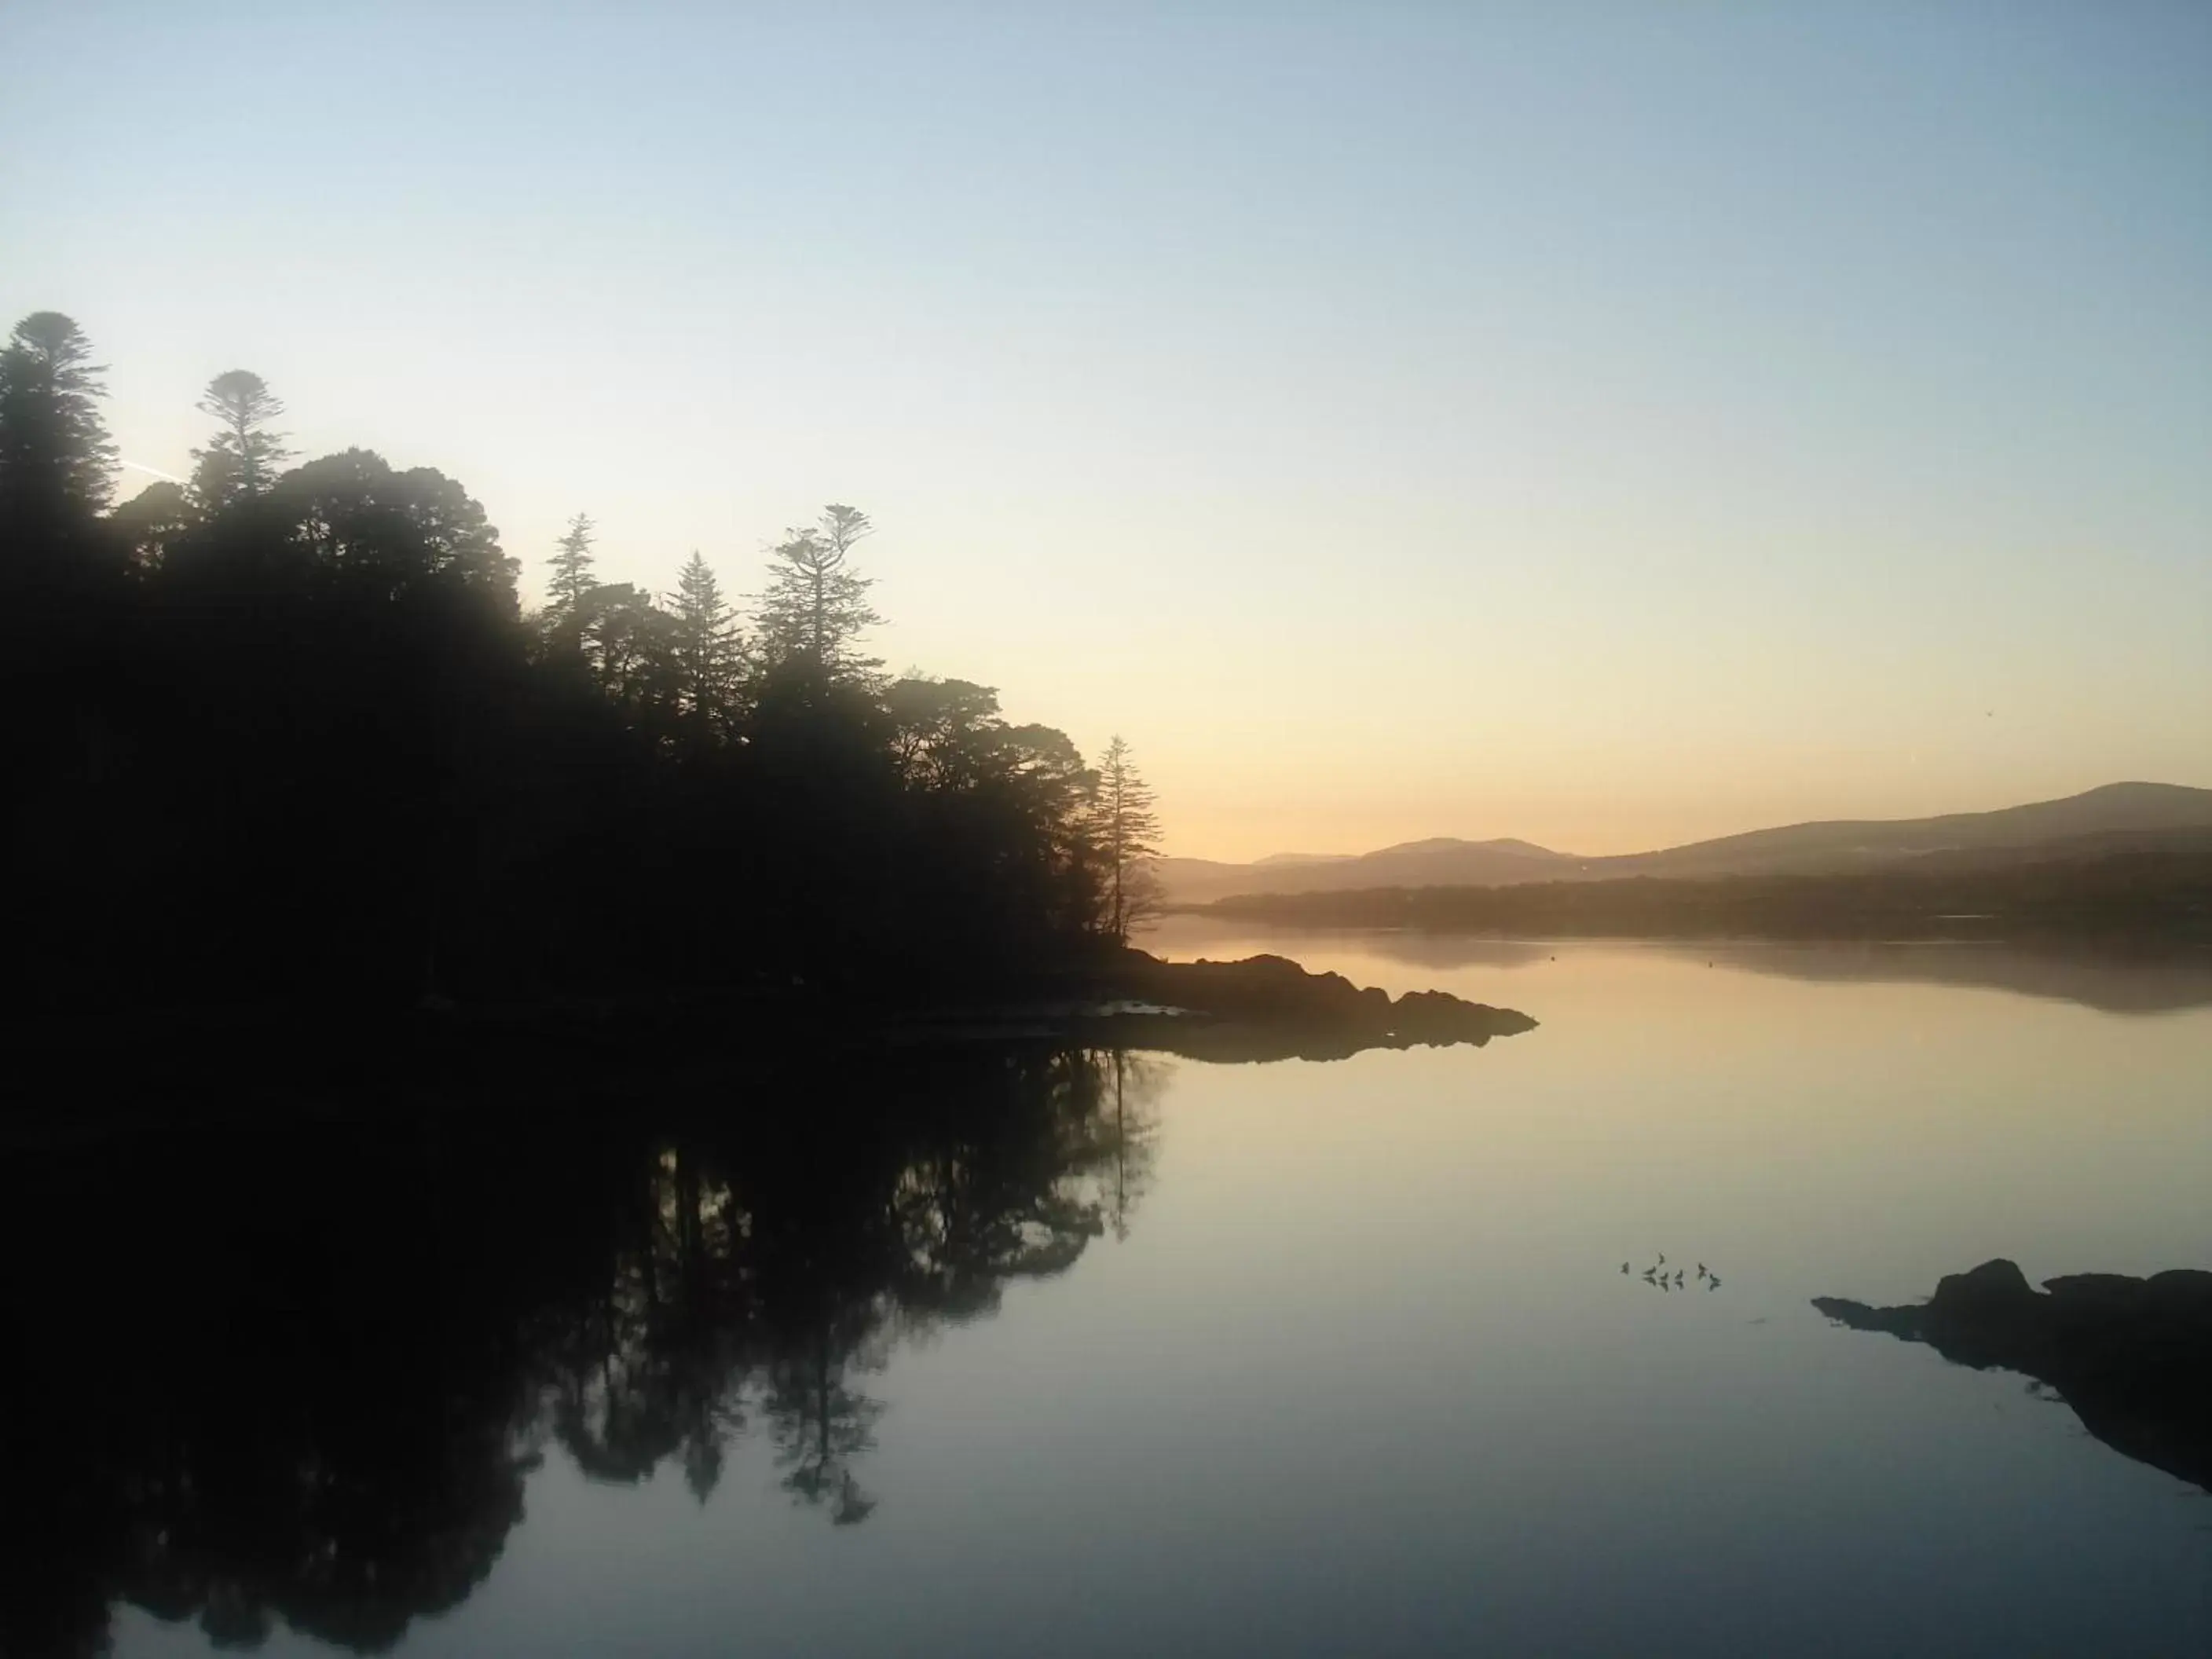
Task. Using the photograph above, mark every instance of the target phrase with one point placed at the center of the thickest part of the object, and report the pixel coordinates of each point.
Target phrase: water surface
(1090, 1356)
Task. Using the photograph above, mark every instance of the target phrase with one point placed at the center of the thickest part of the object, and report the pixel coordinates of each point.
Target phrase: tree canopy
(244, 457)
(288, 730)
(815, 607)
(58, 464)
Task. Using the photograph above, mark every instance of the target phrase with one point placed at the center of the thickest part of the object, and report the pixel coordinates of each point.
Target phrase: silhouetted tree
(153, 522)
(947, 734)
(632, 645)
(708, 658)
(815, 607)
(385, 533)
(244, 457)
(57, 461)
(571, 577)
(1048, 778)
(1125, 829)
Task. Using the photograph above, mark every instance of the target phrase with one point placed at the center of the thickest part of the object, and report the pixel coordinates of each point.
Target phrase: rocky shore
(1268, 1006)
(2133, 1357)
(1263, 1008)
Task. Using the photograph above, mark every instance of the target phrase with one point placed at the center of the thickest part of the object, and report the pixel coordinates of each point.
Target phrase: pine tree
(572, 576)
(709, 656)
(816, 604)
(57, 461)
(1124, 833)
(244, 457)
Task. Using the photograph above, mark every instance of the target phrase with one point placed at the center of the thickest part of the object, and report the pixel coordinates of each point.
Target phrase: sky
(1605, 424)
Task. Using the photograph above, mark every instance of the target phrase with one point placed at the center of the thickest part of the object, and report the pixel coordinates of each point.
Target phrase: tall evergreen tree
(816, 605)
(1124, 834)
(57, 462)
(571, 577)
(244, 457)
(709, 655)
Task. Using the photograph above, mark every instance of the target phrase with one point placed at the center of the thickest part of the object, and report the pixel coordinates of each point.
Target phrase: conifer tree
(816, 603)
(57, 462)
(244, 457)
(1124, 833)
(709, 658)
(571, 577)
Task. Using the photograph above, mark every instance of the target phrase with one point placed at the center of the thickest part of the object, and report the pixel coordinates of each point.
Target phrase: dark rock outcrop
(2133, 1357)
(1268, 1007)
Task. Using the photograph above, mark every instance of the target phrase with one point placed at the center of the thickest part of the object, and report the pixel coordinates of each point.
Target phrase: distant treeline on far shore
(2157, 885)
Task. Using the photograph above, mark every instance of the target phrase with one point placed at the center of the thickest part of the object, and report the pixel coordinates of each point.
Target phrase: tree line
(285, 726)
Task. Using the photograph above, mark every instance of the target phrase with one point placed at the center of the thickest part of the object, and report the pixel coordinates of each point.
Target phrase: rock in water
(2133, 1357)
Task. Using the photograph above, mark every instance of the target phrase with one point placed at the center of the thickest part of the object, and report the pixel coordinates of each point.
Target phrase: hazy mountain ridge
(1819, 847)
(2137, 887)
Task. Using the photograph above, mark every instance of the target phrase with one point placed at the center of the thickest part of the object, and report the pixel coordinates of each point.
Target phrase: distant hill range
(2125, 812)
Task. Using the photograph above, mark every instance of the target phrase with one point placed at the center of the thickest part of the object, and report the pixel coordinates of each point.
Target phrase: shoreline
(246, 1059)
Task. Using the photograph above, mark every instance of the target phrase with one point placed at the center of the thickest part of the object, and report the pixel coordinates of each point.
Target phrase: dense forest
(286, 731)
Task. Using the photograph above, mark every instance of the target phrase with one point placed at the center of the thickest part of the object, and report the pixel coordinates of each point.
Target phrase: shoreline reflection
(302, 1376)
(2119, 979)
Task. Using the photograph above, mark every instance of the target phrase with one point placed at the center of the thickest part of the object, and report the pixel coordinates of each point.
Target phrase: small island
(1263, 1008)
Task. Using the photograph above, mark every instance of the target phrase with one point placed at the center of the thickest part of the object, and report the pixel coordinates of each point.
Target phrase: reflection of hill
(2153, 893)
(2132, 1357)
(301, 1375)
(2116, 977)
(2117, 982)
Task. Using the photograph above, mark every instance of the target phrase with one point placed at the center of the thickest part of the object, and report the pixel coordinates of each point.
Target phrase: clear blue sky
(1603, 423)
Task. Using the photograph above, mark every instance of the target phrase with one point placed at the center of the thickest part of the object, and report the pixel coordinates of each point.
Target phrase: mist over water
(1338, 1358)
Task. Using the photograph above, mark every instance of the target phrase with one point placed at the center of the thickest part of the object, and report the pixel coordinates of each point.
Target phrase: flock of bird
(1657, 1274)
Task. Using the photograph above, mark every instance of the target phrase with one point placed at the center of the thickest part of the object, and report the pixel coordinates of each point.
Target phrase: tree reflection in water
(301, 1373)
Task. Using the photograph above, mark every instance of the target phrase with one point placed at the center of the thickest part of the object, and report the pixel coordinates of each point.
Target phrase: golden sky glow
(1571, 423)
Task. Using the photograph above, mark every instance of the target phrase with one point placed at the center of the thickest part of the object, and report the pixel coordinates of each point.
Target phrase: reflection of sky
(1604, 423)
(1364, 1378)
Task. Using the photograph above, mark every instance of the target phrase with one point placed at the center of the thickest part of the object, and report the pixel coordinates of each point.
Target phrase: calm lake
(1073, 1355)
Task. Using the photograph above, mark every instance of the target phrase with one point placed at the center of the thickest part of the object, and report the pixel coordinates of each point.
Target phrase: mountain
(1793, 849)
(1809, 848)
(1414, 864)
